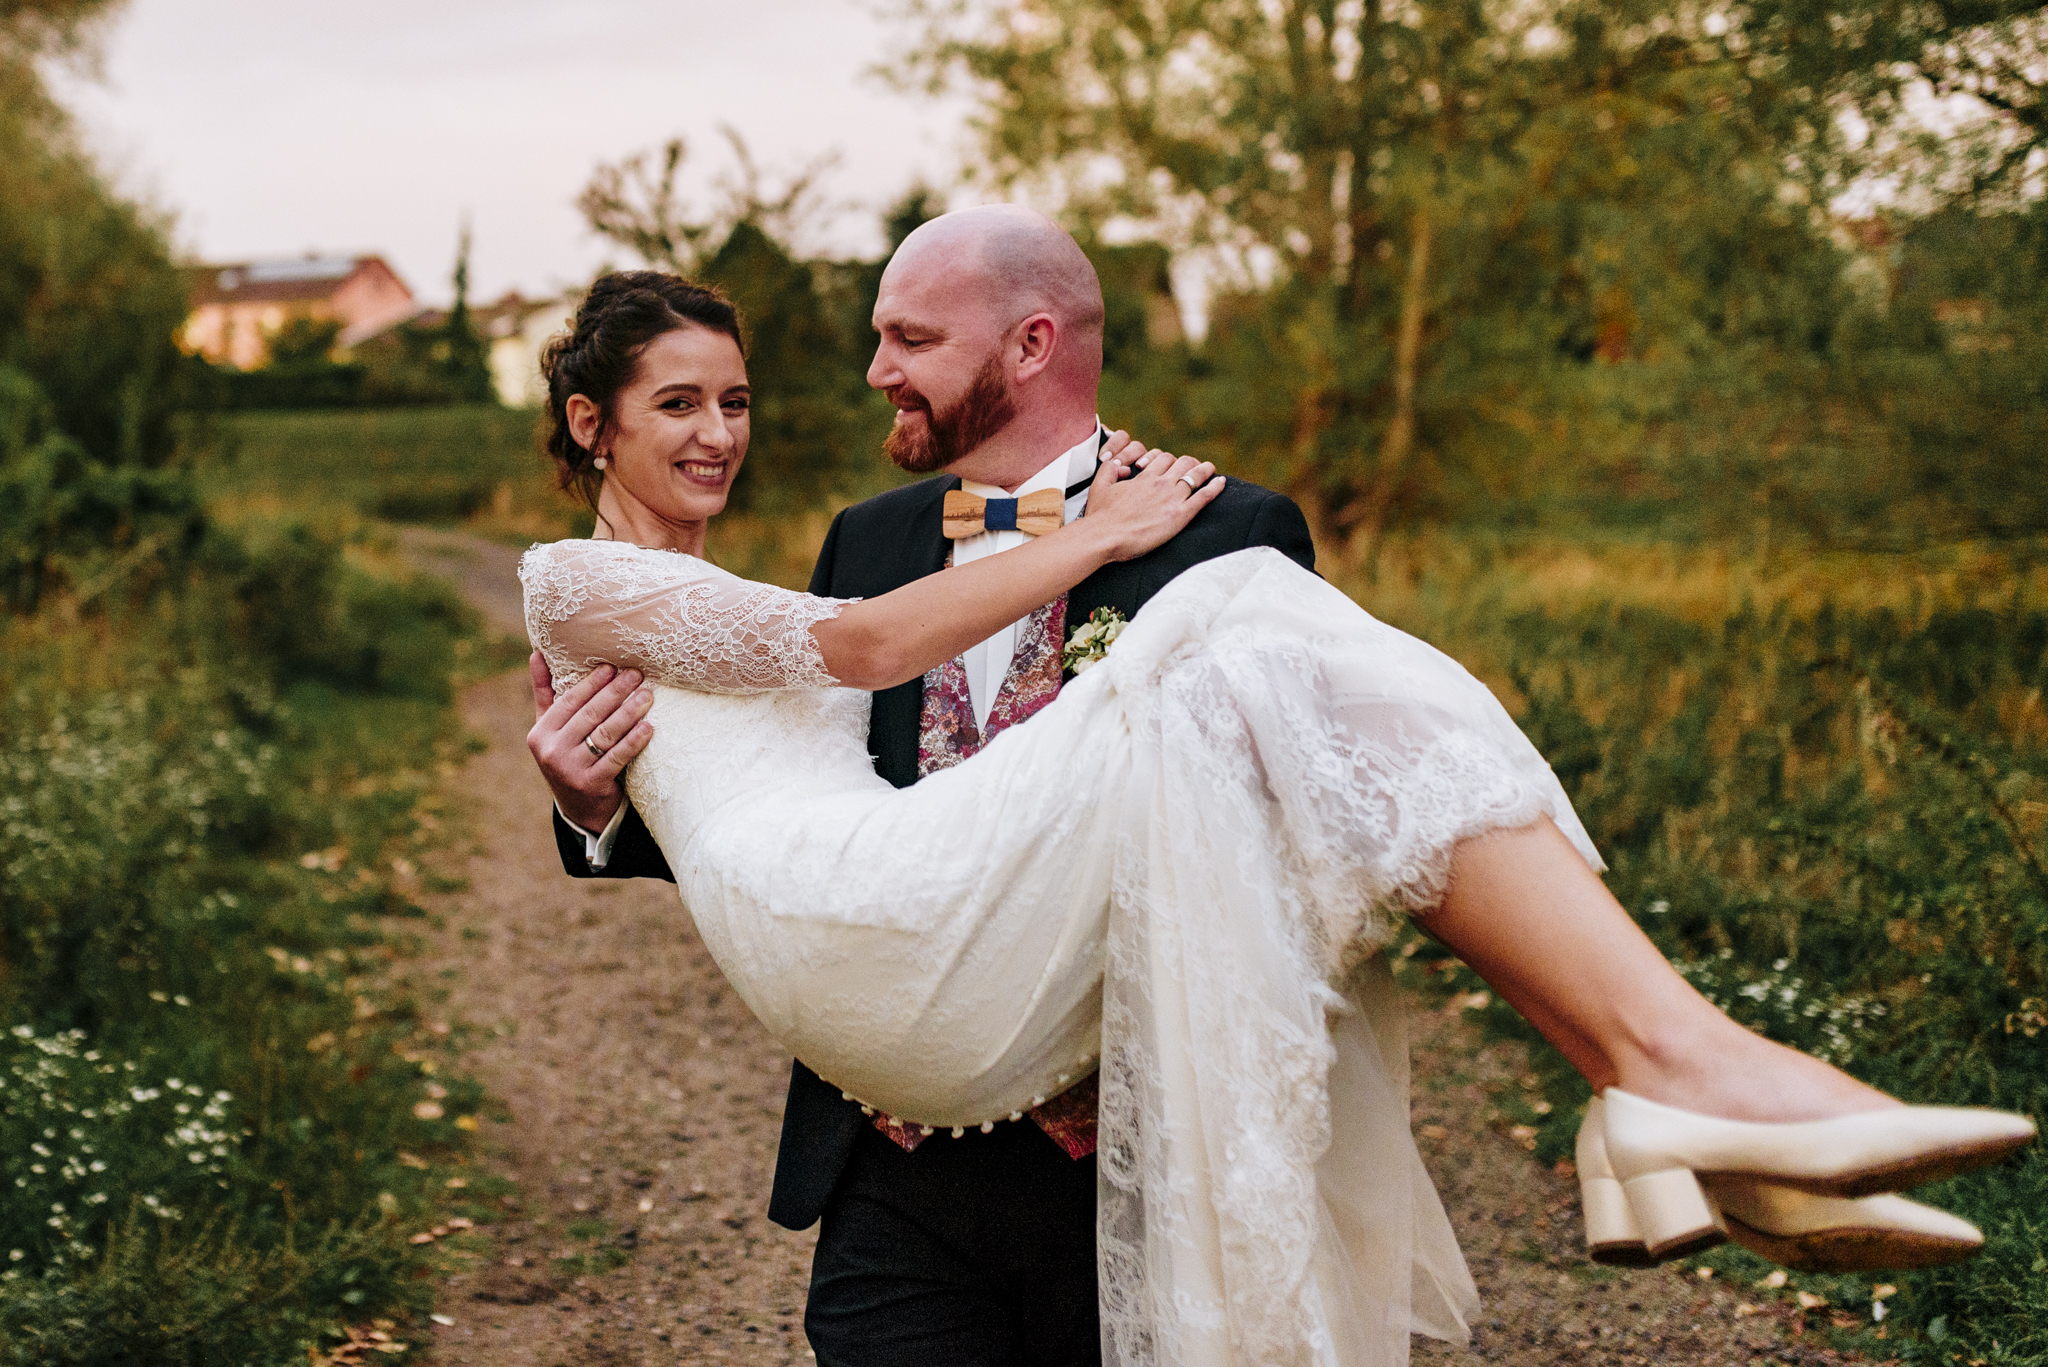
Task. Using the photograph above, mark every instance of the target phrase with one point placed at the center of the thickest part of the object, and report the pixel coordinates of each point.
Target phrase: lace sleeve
(679, 619)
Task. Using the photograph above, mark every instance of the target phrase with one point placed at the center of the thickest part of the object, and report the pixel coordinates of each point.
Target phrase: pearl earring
(599, 462)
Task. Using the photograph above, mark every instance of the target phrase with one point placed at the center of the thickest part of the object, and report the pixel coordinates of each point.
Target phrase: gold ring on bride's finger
(590, 744)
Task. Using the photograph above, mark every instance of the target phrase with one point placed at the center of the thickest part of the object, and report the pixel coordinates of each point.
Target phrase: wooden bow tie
(1034, 514)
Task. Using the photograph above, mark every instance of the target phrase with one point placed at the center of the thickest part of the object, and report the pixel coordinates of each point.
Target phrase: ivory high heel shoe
(1612, 1234)
(1809, 1233)
(1846, 1156)
(1801, 1231)
(1654, 1149)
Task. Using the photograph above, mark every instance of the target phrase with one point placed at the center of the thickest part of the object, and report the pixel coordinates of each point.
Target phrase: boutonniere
(1090, 642)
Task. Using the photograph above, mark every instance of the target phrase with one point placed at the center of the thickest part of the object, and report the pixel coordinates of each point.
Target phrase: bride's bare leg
(1539, 926)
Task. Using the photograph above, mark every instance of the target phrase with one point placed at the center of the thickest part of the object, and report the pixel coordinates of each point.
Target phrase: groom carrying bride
(975, 1248)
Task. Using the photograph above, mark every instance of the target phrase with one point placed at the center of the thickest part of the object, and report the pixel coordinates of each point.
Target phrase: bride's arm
(884, 641)
(682, 623)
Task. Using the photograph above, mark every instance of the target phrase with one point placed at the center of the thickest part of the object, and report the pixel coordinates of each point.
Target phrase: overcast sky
(277, 127)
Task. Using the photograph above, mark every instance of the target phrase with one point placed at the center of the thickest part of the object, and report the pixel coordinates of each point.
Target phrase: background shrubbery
(212, 802)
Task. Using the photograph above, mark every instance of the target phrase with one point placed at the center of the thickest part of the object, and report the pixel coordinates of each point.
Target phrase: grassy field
(480, 467)
(1818, 781)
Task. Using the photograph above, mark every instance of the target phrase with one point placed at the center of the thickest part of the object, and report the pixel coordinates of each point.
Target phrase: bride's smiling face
(675, 439)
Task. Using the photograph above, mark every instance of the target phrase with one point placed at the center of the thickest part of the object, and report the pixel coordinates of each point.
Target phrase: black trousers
(969, 1252)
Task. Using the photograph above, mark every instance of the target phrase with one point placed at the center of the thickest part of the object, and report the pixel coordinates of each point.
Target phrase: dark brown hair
(598, 356)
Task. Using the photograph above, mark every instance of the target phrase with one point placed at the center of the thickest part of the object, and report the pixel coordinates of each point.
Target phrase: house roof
(501, 318)
(299, 280)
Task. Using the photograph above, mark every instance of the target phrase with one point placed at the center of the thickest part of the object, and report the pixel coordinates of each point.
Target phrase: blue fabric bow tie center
(999, 515)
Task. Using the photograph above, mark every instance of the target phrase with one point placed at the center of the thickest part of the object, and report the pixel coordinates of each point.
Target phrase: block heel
(1612, 1237)
(1675, 1214)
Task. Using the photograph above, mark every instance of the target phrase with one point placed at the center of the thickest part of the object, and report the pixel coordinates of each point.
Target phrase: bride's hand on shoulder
(1142, 498)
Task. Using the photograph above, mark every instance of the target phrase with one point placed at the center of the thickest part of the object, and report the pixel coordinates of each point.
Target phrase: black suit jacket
(874, 547)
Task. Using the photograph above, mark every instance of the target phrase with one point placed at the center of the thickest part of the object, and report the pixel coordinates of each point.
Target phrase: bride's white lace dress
(1180, 869)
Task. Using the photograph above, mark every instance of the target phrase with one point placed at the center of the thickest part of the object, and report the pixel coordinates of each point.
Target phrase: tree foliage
(90, 376)
(89, 296)
(1448, 232)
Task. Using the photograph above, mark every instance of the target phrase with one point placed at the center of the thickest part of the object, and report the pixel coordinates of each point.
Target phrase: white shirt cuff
(597, 846)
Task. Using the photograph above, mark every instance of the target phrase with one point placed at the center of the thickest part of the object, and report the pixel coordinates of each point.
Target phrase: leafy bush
(66, 514)
(215, 1119)
(200, 1299)
(67, 1108)
(297, 608)
(299, 384)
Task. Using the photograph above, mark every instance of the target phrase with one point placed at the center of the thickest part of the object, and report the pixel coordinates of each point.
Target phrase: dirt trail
(641, 1105)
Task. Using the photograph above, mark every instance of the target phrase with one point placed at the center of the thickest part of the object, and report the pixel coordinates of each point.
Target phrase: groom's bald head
(990, 323)
(1014, 262)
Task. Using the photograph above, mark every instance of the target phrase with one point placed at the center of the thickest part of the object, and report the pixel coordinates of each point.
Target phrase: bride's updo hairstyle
(597, 357)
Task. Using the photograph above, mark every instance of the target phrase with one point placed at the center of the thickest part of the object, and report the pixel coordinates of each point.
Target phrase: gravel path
(641, 1104)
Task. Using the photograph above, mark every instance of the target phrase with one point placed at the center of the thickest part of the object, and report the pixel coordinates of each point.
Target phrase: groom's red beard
(984, 410)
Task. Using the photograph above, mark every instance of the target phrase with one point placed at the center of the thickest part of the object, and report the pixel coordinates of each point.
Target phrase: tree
(434, 359)
(304, 340)
(639, 207)
(464, 358)
(90, 299)
(1430, 219)
(90, 376)
(34, 29)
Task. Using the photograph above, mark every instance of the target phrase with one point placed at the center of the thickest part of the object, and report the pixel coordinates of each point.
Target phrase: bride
(1180, 874)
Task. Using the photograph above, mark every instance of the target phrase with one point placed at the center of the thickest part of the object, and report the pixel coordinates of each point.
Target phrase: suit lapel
(926, 546)
(904, 550)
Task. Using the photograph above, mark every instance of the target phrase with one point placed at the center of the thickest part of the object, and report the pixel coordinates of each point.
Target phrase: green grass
(479, 466)
(476, 467)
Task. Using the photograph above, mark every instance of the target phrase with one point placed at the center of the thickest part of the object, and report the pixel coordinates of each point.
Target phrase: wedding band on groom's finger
(590, 744)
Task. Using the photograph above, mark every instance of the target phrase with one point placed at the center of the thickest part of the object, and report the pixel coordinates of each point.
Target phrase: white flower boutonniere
(1090, 642)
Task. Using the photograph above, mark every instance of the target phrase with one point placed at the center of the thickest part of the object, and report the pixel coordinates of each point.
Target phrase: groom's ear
(1037, 341)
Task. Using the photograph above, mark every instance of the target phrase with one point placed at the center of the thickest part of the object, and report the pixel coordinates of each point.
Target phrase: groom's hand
(584, 738)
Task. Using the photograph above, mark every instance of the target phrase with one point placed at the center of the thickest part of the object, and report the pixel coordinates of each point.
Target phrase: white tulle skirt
(1180, 871)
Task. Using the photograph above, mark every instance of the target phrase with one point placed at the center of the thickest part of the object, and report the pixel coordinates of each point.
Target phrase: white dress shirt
(989, 661)
(986, 662)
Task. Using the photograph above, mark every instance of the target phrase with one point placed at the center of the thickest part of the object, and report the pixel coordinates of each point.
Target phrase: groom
(979, 1250)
